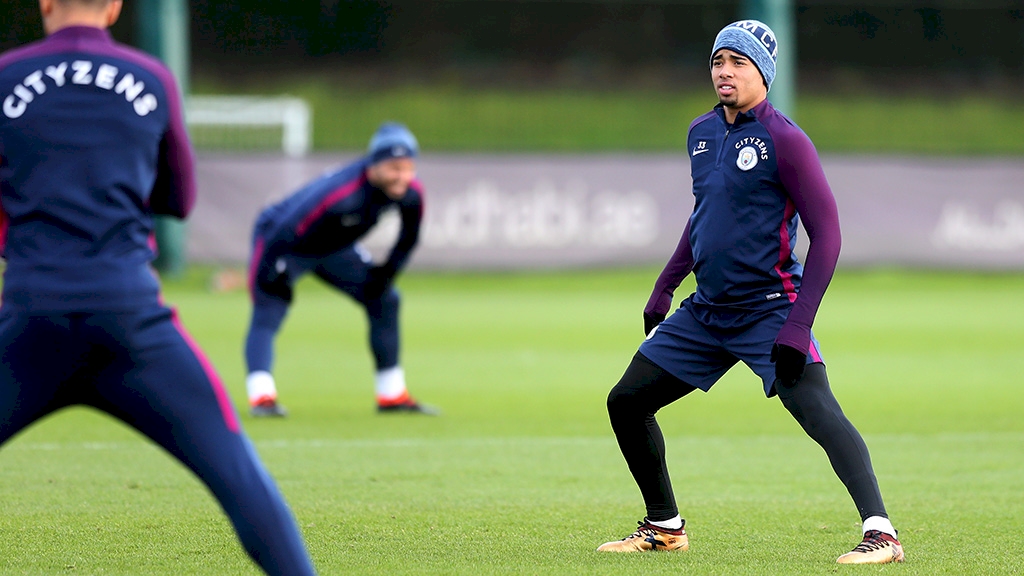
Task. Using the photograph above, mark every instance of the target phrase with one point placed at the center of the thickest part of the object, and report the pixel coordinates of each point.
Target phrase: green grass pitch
(521, 474)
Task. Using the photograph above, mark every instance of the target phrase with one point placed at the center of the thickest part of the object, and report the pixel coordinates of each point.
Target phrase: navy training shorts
(699, 352)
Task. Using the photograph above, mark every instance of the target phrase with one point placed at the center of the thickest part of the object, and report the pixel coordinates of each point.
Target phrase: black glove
(272, 278)
(378, 279)
(651, 320)
(789, 364)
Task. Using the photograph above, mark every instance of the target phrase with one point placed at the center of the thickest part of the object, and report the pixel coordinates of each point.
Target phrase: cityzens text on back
(79, 73)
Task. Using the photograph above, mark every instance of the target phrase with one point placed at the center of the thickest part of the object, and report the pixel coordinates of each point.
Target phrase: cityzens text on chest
(79, 73)
(762, 147)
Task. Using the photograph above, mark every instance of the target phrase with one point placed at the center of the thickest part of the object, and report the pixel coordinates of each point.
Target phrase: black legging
(645, 388)
(814, 406)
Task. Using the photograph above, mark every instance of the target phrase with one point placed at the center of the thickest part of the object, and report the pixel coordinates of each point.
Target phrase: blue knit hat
(392, 140)
(753, 39)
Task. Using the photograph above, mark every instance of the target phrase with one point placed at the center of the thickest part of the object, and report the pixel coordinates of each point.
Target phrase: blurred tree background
(958, 63)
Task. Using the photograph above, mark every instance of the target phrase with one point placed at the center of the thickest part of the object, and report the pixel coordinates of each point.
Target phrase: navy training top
(334, 211)
(92, 143)
(751, 181)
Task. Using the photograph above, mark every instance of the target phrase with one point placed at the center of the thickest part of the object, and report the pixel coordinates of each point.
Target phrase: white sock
(260, 384)
(390, 383)
(671, 524)
(881, 524)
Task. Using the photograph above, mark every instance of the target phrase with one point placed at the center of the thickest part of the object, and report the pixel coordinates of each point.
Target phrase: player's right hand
(789, 364)
(652, 319)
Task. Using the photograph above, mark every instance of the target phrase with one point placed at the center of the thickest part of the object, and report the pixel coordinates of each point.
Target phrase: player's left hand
(378, 279)
(652, 319)
(789, 364)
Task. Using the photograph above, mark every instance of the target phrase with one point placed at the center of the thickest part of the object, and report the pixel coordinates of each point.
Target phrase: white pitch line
(511, 441)
(334, 443)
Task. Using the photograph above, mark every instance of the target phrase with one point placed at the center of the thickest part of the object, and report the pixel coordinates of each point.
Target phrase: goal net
(250, 124)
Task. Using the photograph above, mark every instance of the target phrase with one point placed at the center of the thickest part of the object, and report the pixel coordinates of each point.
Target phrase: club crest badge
(747, 158)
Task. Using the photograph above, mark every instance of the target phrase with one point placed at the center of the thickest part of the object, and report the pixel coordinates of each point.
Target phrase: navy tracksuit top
(78, 201)
(752, 179)
(334, 211)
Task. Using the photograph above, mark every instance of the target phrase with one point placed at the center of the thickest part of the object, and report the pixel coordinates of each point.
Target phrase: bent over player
(92, 144)
(317, 229)
(754, 172)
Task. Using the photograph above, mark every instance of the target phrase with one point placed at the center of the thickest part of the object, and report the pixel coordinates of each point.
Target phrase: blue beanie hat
(392, 140)
(753, 39)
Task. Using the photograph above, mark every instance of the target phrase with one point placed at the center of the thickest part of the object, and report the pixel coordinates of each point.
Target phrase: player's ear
(113, 11)
(46, 7)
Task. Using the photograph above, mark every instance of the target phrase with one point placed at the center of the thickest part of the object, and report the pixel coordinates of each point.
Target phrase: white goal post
(292, 115)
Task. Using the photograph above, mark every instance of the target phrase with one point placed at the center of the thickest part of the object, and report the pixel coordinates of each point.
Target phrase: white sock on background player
(260, 387)
(390, 383)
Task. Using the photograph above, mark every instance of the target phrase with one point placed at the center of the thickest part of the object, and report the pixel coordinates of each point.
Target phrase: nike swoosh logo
(695, 152)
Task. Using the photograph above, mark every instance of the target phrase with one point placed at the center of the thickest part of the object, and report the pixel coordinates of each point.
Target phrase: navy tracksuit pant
(142, 368)
(271, 287)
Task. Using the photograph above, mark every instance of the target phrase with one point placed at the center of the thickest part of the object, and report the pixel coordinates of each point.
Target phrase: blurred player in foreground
(317, 229)
(754, 172)
(92, 144)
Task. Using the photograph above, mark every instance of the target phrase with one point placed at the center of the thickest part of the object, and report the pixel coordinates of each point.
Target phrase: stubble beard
(728, 101)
